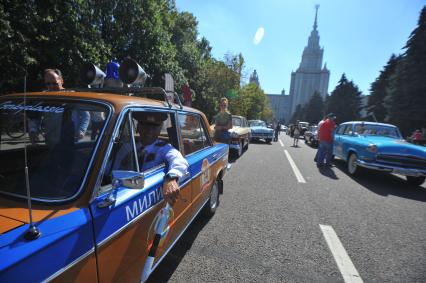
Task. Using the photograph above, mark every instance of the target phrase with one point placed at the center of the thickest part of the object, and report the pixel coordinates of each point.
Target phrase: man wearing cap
(151, 152)
(325, 136)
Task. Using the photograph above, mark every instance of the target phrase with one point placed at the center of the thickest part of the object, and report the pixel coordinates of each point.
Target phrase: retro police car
(260, 131)
(379, 146)
(75, 208)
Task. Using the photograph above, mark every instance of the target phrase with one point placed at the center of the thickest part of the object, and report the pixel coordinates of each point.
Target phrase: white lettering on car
(146, 201)
(8, 105)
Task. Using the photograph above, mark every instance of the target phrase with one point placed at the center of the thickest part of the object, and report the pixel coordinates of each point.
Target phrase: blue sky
(358, 36)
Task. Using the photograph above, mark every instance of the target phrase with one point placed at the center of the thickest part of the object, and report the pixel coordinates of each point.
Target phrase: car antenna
(33, 232)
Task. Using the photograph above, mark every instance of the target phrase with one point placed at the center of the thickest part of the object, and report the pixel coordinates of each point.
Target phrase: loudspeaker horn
(131, 73)
(92, 75)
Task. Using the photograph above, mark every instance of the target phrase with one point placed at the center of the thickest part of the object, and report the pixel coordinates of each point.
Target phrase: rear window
(58, 139)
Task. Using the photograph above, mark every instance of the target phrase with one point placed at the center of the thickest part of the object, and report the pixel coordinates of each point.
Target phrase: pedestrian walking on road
(296, 134)
(325, 136)
(277, 131)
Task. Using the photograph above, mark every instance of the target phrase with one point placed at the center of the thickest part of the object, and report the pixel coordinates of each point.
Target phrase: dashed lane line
(344, 263)
(296, 171)
(281, 143)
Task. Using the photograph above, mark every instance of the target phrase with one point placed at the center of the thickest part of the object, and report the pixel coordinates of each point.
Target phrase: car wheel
(353, 168)
(268, 140)
(211, 205)
(247, 144)
(415, 181)
(240, 149)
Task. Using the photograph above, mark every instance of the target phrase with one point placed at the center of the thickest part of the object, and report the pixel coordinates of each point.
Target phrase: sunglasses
(51, 84)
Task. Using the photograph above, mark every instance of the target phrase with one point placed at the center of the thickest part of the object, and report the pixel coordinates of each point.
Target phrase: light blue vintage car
(260, 131)
(379, 146)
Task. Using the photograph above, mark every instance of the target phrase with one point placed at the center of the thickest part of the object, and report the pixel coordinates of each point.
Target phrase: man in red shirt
(325, 136)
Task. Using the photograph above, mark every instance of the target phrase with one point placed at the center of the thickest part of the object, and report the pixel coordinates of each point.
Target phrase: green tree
(314, 109)
(407, 92)
(39, 34)
(345, 101)
(298, 114)
(253, 103)
(380, 89)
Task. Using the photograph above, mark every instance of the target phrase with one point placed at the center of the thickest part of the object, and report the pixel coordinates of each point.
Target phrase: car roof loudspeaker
(131, 73)
(92, 75)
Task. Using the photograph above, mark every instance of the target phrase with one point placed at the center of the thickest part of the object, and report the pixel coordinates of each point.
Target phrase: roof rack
(135, 91)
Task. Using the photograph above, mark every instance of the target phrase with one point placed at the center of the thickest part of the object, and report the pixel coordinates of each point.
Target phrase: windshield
(60, 139)
(257, 123)
(376, 130)
(236, 121)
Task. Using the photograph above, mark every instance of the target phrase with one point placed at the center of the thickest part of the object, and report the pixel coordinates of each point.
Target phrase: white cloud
(259, 35)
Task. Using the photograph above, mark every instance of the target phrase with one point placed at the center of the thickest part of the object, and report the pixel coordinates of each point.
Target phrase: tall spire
(316, 13)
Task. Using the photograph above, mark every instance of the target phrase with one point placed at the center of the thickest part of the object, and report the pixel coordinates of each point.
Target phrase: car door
(346, 140)
(337, 141)
(134, 227)
(200, 154)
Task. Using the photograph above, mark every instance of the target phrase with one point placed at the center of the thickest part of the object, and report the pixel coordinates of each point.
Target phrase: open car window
(59, 137)
(130, 154)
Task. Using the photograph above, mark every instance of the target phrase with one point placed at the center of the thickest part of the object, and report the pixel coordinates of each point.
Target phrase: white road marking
(344, 263)
(296, 171)
(281, 143)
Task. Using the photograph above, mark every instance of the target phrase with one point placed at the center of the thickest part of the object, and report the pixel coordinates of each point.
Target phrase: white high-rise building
(310, 76)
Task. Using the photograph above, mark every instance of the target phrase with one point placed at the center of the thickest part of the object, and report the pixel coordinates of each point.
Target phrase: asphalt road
(271, 226)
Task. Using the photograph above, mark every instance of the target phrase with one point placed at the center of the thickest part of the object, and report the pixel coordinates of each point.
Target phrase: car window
(129, 153)
(236, 121)
(122, 156)
(340, 129)
(194, 136)
(59, 139)
(348, 130)
(257, 123)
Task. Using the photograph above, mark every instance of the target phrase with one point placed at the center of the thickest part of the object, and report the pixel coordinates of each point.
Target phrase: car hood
(387, 145)
(261, 129)
(7, 224)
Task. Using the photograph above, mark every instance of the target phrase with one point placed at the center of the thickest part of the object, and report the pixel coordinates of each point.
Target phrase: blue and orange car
(67, 215)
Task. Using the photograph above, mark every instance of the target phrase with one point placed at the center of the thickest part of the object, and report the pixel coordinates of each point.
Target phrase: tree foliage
(380, 89)
(49, 34)
(406, 100)
(252, 103)
(345, 101)
(314, 109)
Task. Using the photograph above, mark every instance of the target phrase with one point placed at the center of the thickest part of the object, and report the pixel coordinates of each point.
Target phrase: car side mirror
(129, 179)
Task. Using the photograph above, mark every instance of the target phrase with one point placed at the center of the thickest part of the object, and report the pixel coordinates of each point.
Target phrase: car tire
(352, 167)
(268, 141)
(213, 202)
(247, 145)
(415, 181)
(240, 149)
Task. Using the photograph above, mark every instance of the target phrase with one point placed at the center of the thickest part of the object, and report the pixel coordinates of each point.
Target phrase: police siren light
(92, 75)
(131, 73)
(112, 78)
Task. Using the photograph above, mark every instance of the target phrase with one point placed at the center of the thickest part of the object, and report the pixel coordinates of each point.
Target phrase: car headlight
(372, 148)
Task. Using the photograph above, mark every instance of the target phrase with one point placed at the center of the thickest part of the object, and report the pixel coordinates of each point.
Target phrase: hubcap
(213, 196)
